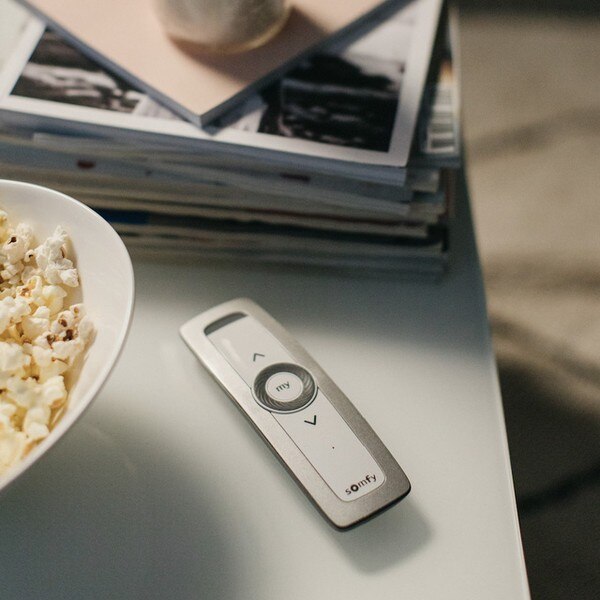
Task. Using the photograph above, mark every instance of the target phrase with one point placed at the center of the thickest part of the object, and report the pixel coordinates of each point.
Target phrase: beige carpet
(531, 98)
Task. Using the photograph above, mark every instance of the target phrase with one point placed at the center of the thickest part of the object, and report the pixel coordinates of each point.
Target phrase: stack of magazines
(344, 160)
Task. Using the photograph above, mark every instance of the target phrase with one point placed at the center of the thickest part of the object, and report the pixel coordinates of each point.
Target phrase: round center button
(284, 387)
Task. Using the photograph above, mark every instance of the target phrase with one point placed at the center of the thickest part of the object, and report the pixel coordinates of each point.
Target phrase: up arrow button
(256, 354)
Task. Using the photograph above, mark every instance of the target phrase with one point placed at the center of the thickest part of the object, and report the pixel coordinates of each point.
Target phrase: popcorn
(6, 413)
(12, 447)
(12, 361)
(51, 259)
(52, 297)
(18, 242)
(12, 310)
(40, 337)
(34, 325)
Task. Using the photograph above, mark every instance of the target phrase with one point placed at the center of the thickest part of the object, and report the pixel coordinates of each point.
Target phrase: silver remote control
(311, 426)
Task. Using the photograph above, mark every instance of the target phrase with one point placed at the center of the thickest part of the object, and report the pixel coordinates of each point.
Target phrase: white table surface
(163, 490)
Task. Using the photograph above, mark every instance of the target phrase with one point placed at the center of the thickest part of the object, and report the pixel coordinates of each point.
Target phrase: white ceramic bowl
(106, 288)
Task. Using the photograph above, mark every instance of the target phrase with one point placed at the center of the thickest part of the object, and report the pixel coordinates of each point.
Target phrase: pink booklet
(127, 37)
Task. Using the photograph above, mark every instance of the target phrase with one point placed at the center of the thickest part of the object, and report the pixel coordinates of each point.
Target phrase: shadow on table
(386, 540)
(553, 436)
(69, 534)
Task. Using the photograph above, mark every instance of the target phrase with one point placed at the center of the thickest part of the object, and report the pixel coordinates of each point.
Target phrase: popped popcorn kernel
(13, 445)
(23, 392)
(18, 242)
(41, 338)
(35, 429)
(12, 310)
(12, 359)
(7, 411)
(50, 257)
(52, 297)
(34, 325)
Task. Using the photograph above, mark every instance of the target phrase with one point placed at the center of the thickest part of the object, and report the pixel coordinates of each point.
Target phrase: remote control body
(306, 420)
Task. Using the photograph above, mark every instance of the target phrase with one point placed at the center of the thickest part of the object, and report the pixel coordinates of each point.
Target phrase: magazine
(408, 267)
(200, 86)
(128, 38)
(192, 184)
(356, 103)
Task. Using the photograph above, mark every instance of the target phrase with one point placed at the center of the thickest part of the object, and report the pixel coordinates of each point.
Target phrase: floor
(531, 91)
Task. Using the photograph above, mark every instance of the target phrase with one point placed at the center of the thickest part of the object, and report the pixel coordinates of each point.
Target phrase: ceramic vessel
(106, 289)
(222, 27)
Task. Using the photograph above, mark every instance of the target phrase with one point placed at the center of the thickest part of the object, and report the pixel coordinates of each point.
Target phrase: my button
(284, 386)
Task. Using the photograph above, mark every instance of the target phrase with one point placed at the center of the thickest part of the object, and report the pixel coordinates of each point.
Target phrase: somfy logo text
(360, 484)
